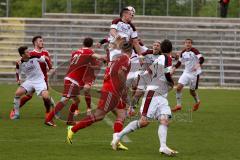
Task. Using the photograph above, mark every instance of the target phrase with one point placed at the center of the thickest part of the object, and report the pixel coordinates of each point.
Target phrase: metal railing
(143, 7)
(194, 8)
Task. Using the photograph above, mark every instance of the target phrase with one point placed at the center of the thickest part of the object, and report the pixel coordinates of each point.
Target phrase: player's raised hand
(19, 82)
(98, 45)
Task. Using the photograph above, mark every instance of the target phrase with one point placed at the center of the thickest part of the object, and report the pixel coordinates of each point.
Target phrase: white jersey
(149, 59)
(125, 30)
(191, 59)
(32, 69)
(159, 82)
(135, 60)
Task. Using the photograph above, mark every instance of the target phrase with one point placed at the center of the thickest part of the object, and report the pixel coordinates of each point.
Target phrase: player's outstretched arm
(99, 56)
(137, 46)
(113, 32)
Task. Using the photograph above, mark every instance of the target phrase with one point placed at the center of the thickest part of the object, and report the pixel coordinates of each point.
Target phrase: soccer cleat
(115, 141)
(167, 151)
(89, 112)
(120, 146)
(196, 106)
(177, 108)
(50, 123)
(12, 113)
(15, 116)
(69, 134)
(57, 115)
(76, 112)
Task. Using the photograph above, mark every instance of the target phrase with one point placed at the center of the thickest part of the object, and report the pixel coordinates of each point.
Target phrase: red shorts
(71, 89)
(108, 101)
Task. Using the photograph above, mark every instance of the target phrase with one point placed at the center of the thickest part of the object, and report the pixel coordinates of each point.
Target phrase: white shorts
(33, 86)
(144, 80)
(154, 105)
(189, 79)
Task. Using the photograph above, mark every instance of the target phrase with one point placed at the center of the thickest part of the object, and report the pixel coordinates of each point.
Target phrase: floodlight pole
(69, 6)
(43, 7)
(7, 8)
(120, 5)
(167, 8)
(143, 11)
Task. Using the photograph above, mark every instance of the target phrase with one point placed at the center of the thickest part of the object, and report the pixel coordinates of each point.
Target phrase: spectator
(224, 8)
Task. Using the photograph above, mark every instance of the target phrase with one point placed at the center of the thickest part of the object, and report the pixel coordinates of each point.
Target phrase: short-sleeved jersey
(113, 82)
(159, 68)
(44, 66)
(125, 30)
(32, 69)
(148, 60)
(190, 59)
(79, 63)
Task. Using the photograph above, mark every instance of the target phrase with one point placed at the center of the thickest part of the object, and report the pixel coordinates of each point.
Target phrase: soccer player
(34, 82)
(74, 80)
(150, 56)
(46, 68)
(155, 103)
(123, 30)
(113, 92)
(193, 60)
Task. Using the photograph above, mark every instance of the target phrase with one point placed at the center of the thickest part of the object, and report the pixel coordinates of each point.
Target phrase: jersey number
(75, 59)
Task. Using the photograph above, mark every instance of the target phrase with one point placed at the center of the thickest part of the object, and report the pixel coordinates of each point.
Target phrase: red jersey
(112, 82)
(44, 66)
(81, 60)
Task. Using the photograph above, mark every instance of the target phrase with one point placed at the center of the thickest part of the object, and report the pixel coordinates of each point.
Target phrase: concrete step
(140, 26)
(142, 18)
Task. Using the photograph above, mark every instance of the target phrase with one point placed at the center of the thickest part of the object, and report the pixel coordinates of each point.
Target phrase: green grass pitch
(211, 133)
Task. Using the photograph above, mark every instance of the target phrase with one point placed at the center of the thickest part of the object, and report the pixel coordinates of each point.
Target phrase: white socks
(131, 127)
(179, 98)
(16, 102)
(162, 134)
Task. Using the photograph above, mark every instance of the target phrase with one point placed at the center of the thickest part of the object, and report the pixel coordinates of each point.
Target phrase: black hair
(22, 49)
(166, 46)
(35, 38)
(123, 10)
(87, 42)
(127, 47)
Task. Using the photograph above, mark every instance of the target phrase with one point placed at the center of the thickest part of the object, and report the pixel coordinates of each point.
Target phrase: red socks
(24, 99)
(72, 109)
(118, 126)
(58, 108)
(85, 122)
